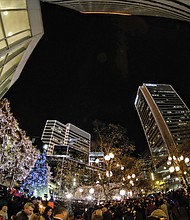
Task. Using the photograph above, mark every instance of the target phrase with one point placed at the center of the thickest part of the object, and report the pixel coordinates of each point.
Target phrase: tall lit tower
(57, 134)
(165, 119)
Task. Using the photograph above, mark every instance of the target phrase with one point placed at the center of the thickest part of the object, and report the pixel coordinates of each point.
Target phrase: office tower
(21, 28)
(68, 149)
(165, 119)
(58, 134)
(53, 134)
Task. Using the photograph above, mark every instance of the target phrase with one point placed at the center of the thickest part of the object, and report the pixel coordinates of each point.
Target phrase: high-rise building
(165, 119)
(53, 134)
(21, 28)
(57, 134)
(68, 148)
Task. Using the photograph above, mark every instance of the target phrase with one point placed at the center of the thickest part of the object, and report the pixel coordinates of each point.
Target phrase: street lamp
(91, 190)
(122, 192)
(177, 164)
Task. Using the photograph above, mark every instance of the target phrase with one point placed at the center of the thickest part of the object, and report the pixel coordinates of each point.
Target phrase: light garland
(17, 154)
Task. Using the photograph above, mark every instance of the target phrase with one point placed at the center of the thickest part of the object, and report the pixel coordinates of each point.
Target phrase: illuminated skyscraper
(165, 119)
(57, 134)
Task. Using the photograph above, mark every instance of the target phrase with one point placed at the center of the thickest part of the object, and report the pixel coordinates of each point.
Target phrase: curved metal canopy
(173, 9)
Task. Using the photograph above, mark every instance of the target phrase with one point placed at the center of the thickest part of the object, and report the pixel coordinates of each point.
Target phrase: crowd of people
(165, 206)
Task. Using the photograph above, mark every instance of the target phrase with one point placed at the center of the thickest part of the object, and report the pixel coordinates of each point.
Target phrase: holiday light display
(36, 183)
(17, 154)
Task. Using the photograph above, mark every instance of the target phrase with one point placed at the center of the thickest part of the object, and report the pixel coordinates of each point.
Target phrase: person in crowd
(159, 213)
(35, 216)
(107, 215)
(3, 212)
(26, 212)
(14, 206)
(150, 207)
(128, 214)
(164, 207)
(88, 213)
(60, 213)
(140, 211)
(47, 214)
(97, 215)
(117, 212)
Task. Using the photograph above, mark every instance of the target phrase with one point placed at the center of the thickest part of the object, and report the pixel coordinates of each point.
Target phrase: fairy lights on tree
(17, 154)
(37, 180)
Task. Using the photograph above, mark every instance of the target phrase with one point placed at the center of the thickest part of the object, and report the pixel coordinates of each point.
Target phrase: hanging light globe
(107, 157)
(91, 190)
(171, 169)
(177, 168)
(122, 192)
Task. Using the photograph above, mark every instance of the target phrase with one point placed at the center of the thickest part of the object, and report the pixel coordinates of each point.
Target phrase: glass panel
(5, 84)
(3, 45)
(14, 52)
(11, 64)
(12, 4)
(4, 77)
(2, 36)
(2, 60)
(19, 37)
(15, 21)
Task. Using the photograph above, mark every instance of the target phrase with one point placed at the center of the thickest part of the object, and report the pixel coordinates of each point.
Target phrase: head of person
(4, 208)
(104, 209)
(61, 212)
(98, 212)
(29, 208)
(48, 211)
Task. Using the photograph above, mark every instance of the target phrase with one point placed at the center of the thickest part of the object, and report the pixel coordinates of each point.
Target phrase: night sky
(89, 67)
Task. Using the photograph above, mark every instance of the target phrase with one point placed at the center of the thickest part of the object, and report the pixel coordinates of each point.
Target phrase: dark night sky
(89, 67)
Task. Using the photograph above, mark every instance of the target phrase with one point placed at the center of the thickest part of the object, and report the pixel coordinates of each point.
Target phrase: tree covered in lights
(17, 154)
(36, 182)
(118, 163)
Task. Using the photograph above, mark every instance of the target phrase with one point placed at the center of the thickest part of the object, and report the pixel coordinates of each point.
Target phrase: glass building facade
(165, 119)
(57, 134)
(21, 28)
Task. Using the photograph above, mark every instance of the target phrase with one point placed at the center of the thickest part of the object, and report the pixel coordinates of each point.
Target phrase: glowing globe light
(80, 190)
(133, 175)
(97, 160)
(174, 157)
(91, 190)
(107, 157)
(186, 160)
(69, 196)
(122, 192)
(89, 197)
(177, 168)
(171, 169)
(111, 155)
